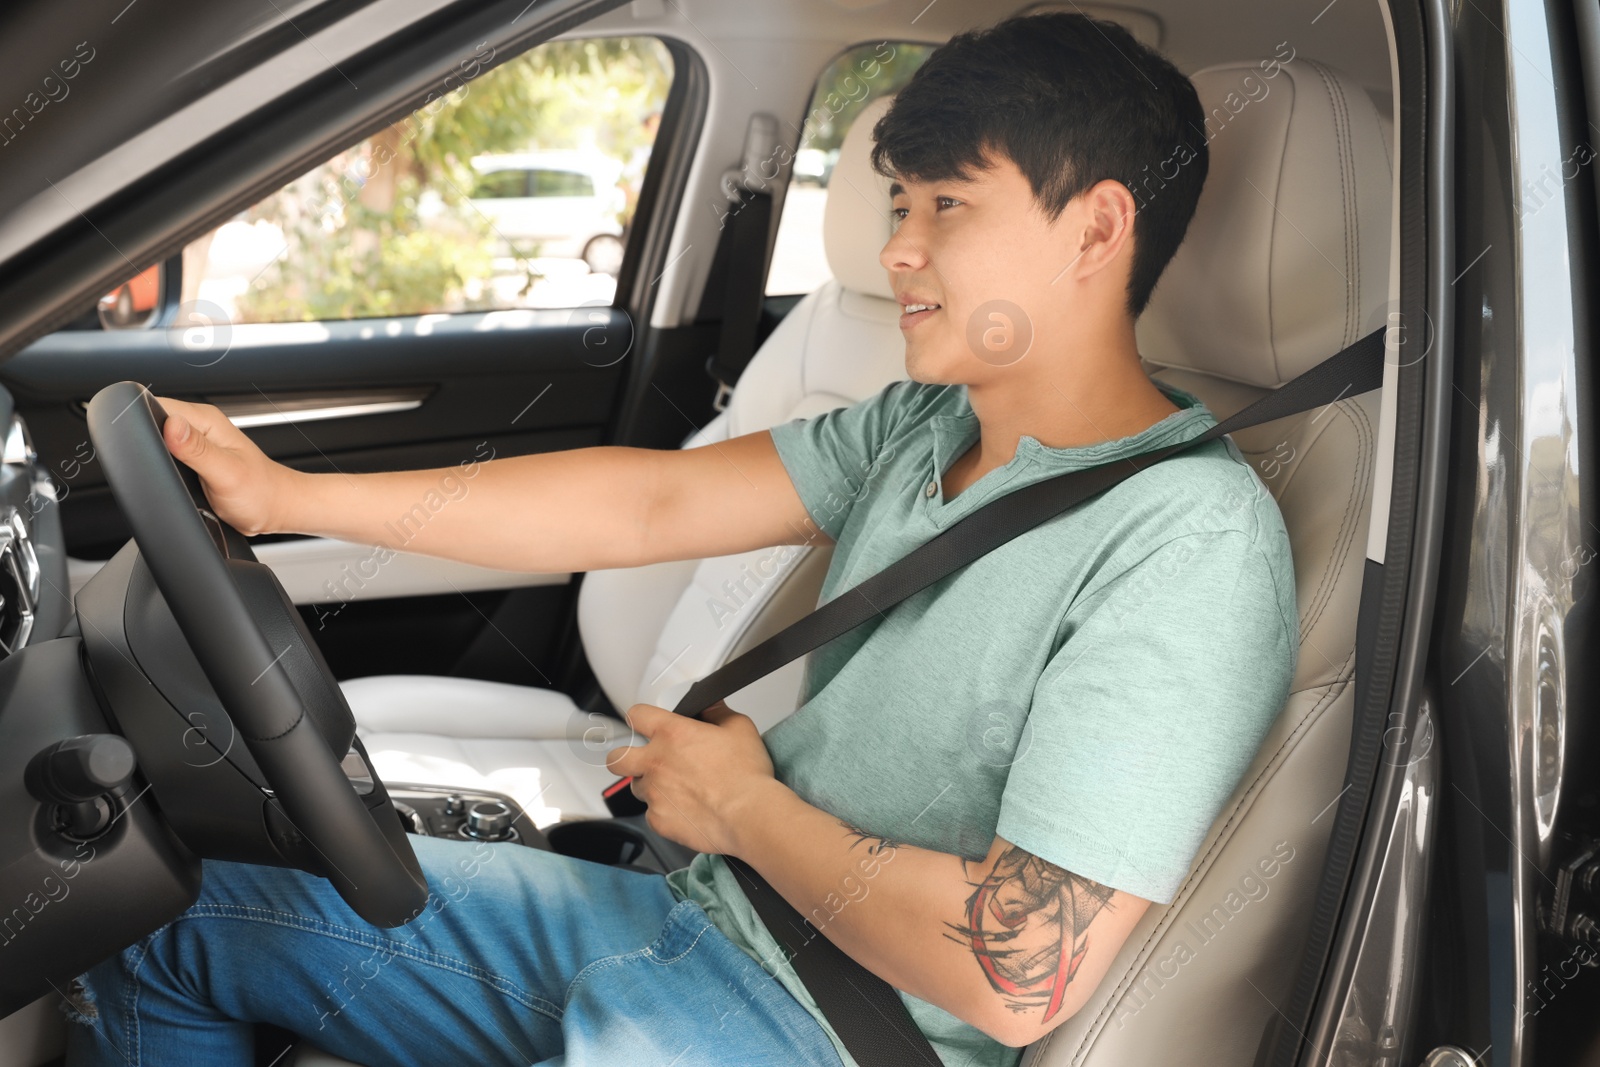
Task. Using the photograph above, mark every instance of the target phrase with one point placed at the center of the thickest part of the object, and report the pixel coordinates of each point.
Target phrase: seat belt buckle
(724, 390)
(621, 800)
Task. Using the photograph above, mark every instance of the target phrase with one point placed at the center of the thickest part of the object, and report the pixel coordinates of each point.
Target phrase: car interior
(471, 686)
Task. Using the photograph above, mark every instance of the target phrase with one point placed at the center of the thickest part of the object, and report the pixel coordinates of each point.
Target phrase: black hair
(1072, 101)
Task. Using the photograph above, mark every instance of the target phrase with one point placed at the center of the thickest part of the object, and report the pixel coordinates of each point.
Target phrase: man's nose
(904, 250)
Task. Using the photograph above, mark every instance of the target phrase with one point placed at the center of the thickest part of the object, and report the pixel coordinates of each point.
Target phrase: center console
(471, 815)
(482, 815)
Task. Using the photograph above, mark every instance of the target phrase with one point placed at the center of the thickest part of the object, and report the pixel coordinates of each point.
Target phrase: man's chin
(930, 369)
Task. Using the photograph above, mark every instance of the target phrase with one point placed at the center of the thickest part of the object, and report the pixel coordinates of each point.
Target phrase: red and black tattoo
(1027, 923)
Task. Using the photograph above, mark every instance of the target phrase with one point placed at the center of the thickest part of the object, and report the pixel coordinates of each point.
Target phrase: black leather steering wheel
(369, 859)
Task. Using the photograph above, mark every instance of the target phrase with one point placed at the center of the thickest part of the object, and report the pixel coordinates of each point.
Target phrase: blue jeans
(521, 957)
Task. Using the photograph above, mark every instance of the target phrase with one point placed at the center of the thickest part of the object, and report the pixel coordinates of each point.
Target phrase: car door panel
(516, 382)
(327, 570)
(421, 392)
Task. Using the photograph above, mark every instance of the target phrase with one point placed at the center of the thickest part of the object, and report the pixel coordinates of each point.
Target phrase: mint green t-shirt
(1091, 691)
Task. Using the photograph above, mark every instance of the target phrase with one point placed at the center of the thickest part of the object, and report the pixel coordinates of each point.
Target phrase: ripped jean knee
(77, 1004)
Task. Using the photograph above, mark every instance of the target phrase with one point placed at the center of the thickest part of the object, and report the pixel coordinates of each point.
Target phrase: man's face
(983, 252)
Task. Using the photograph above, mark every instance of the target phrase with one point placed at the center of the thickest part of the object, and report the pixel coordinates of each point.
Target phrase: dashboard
(35, 591)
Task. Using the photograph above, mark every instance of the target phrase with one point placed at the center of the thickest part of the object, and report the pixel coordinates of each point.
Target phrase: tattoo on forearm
(1026, 924)
(877, 845)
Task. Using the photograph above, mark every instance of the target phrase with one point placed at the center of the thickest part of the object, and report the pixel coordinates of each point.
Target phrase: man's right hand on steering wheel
(246, 487)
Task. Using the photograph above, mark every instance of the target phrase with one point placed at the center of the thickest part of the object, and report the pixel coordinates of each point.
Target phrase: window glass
(848, 84)
(442, 211)
(499, 184)
(562, 183)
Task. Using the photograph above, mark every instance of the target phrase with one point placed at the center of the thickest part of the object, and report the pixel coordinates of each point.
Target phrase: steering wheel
(190, 553)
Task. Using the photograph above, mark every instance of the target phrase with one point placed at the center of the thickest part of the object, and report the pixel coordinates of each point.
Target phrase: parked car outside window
(554, 204)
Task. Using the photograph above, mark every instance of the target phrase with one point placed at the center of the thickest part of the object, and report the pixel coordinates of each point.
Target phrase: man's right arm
(575, 510)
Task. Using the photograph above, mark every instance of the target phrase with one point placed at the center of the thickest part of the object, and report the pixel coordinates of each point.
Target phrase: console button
(489, 820)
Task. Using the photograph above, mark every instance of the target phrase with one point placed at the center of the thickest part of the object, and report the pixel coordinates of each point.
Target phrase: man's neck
(1076, 399)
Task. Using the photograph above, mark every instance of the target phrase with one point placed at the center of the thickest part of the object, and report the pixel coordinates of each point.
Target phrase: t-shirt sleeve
(830, 457)
(1148, 715)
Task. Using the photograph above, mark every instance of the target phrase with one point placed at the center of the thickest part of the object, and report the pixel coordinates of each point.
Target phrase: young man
(983, 789)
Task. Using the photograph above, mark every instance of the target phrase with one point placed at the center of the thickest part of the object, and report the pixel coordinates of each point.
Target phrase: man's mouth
(915, 313)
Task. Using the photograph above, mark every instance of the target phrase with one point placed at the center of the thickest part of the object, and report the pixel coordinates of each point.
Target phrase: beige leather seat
(649, 632)
(1285, 263)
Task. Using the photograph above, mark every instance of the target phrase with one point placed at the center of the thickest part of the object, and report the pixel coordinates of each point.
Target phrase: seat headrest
(855, 220)
(1287, 258)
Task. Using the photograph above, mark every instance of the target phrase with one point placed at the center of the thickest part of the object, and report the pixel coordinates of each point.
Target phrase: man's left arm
(1011, 944)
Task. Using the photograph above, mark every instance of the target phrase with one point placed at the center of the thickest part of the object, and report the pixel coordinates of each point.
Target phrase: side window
(562, 183)
(500, 185)
(848, 84)
(516, 190)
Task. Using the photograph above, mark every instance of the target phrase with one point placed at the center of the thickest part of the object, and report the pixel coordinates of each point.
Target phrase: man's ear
(1105, 231)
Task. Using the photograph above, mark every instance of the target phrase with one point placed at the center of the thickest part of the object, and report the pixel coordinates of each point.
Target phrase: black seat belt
(864, 1010)
(740, 263)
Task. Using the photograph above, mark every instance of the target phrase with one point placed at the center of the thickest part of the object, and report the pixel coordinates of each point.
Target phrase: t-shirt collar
(957, 431)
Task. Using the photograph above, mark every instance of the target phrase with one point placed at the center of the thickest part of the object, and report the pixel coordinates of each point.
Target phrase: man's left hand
(695, 774)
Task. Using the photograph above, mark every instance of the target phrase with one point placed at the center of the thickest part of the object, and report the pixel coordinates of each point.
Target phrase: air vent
(19, 582)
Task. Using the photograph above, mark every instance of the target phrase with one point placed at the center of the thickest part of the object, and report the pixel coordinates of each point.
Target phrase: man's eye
(899, 213)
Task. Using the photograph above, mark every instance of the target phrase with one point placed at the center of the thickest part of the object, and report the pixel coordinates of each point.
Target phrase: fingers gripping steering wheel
(365, 854)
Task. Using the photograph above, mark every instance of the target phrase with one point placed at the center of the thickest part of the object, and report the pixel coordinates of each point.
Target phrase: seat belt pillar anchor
(719, 402)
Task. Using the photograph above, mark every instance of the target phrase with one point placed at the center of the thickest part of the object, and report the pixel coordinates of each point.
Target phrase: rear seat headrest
(1287, 258)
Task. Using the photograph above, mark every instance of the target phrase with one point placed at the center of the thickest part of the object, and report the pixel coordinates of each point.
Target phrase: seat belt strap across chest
(866, 1012)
